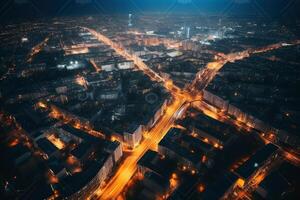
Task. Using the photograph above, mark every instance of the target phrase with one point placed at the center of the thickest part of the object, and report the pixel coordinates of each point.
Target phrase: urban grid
(149, 106)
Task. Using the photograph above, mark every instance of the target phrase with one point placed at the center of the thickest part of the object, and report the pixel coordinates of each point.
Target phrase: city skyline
(149, 100)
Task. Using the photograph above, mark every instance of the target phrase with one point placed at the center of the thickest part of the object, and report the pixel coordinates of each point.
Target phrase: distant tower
(188, 32)
(130, 20)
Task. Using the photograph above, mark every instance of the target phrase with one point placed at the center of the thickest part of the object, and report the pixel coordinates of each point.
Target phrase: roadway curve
(129, 166)
(127, 169)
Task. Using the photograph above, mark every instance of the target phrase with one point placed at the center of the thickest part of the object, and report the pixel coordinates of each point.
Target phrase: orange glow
(97, 69)
(173, 181)
(216, 145)
(54, 196)
(80, 80)
(169, 84)
(14, 142)
(52, 178)
(56, 193)
(120, 197)
(214, 65)
(203, 160)
(240, 183)
(56, 141)
(129, 166)
(292, 158)
(201, 187)
(258, 179)
(140, 176)
(77, 125)
(36, 49)
(270, 137)
(42, 105)
(71, 160)
(74, 121)
(55, 113)
(195, 135)
(137, 61)
(77, 169)
(75, 51)
(181, 127)
(74, 164)
(174, 176)
(211, 114)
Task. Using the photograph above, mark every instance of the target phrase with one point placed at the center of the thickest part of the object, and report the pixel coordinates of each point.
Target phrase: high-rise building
(130, 20)
(188, 32)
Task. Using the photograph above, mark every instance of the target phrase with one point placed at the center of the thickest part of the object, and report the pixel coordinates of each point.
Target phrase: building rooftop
(47, 146)
(280, 183)
(79, 133)
(196, 120)
(184, 146)
(154, 162)
(217, 189)
(72, 184)
(256, 161)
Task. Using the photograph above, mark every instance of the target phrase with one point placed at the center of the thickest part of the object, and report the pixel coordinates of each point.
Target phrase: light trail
(204, 77)
(95, 66)
(67, 118)
(137, 61)
(36, 49)
(291, 157)
(80, 80)
(253, 182)
(129, 166)
(127, 169)
(207, 74)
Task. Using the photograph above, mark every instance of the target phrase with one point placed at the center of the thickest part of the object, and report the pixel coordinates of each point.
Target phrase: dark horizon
(30, 9)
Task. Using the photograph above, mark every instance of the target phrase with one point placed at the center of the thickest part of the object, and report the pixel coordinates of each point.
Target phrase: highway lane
(207, 74)
(37, 49)
(137, 61)
(203, 78)
(129, 166)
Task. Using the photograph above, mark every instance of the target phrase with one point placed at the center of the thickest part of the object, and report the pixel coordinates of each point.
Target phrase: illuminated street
(128, 167)
(36, 49)
(149, 100)
(203, 78)
(137, 61)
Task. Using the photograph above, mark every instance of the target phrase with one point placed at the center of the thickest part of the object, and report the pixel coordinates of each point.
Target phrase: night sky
(27, 9)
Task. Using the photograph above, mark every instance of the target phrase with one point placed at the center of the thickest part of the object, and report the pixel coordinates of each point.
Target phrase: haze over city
(150, 99)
